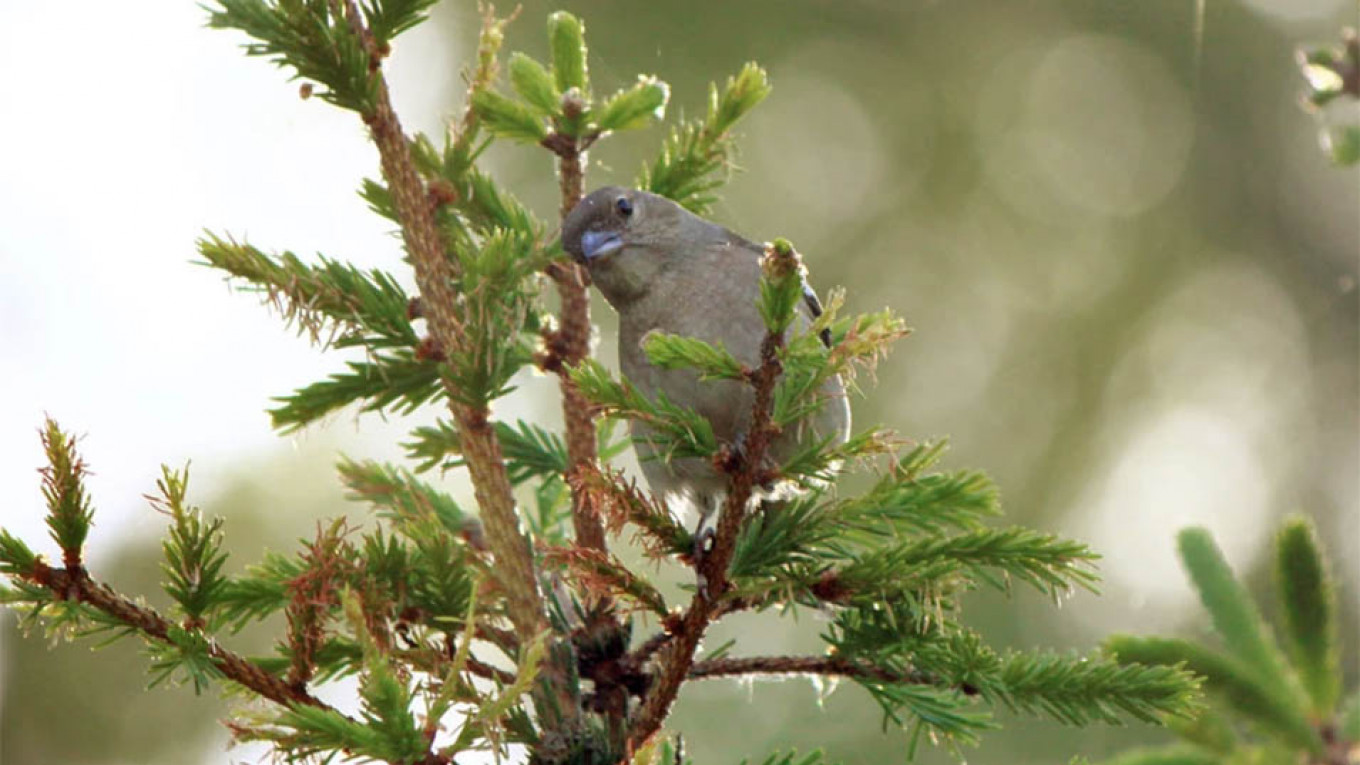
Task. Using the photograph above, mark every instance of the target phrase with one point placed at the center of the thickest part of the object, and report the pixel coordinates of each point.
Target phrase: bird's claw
(732, 456)
(703, 545)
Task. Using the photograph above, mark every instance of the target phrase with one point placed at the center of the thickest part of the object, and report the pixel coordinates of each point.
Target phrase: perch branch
(677, 657)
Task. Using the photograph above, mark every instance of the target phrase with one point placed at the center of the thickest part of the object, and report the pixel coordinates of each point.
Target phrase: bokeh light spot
(1297, 10)
(1105, 124)
(817, 146)
(1089, 127)
(1187, 466)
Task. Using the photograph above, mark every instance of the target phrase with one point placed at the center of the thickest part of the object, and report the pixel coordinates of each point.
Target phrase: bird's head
(629, 238)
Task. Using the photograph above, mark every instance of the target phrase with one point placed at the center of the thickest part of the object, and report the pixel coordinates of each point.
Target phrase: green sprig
(193, 550)
(685, 433)
(635, 107)
(697, 155)
(1235, 617)
(1228, 679)
(69, 513)
(401, 497)
(389, 18)
(712, 362)
(567, 40)
(508, 118)
(1308, 598)
(307, 38)
(535, 84)
(362, 308)
(387, 381)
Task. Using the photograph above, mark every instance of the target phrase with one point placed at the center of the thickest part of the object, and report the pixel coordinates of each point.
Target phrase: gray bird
(665, 269)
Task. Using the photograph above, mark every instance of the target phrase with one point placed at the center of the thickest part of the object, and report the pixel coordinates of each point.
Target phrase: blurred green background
(1131, 272)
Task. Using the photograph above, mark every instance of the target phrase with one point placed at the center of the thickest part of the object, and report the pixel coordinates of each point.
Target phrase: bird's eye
(624, 206)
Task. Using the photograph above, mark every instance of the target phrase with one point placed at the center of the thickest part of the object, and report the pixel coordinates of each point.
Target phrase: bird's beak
(597, 244)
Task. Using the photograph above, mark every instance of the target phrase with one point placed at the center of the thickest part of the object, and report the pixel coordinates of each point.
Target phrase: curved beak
(598, 244)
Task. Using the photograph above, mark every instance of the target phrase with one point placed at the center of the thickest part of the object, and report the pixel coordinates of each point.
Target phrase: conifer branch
(572, 343)
(332, 299)
(781, 272)
(1248, 678)
(600, 574)
(560, 98)
(76, 585)
(68, 506)
(697, 154)
(435, 276)
(1234, 682)
(1247, 638)
(568, 343)
(1308, 599)
(398, 380)
(620, 502)
(193, 551)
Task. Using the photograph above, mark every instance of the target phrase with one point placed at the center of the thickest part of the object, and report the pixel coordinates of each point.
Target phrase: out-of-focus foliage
(1269, 708)
(1332, 75)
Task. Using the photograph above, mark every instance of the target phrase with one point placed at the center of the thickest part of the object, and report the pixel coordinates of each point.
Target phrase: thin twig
(804, 665)
(77, 585)
(639, 656)
(505, 640)
(569, 345)
(435, 663)
(482, 669)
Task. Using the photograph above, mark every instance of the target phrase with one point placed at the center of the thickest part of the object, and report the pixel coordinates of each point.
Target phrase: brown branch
(639, 656)
(804, 665)
(678, 657)
(77, 585)
(569, 344)
(482, 669)
(435, 277)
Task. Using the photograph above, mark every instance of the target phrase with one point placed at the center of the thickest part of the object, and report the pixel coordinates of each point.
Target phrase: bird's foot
(703, 545)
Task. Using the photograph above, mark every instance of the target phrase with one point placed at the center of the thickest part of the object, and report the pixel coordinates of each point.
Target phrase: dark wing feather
(815, 308)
